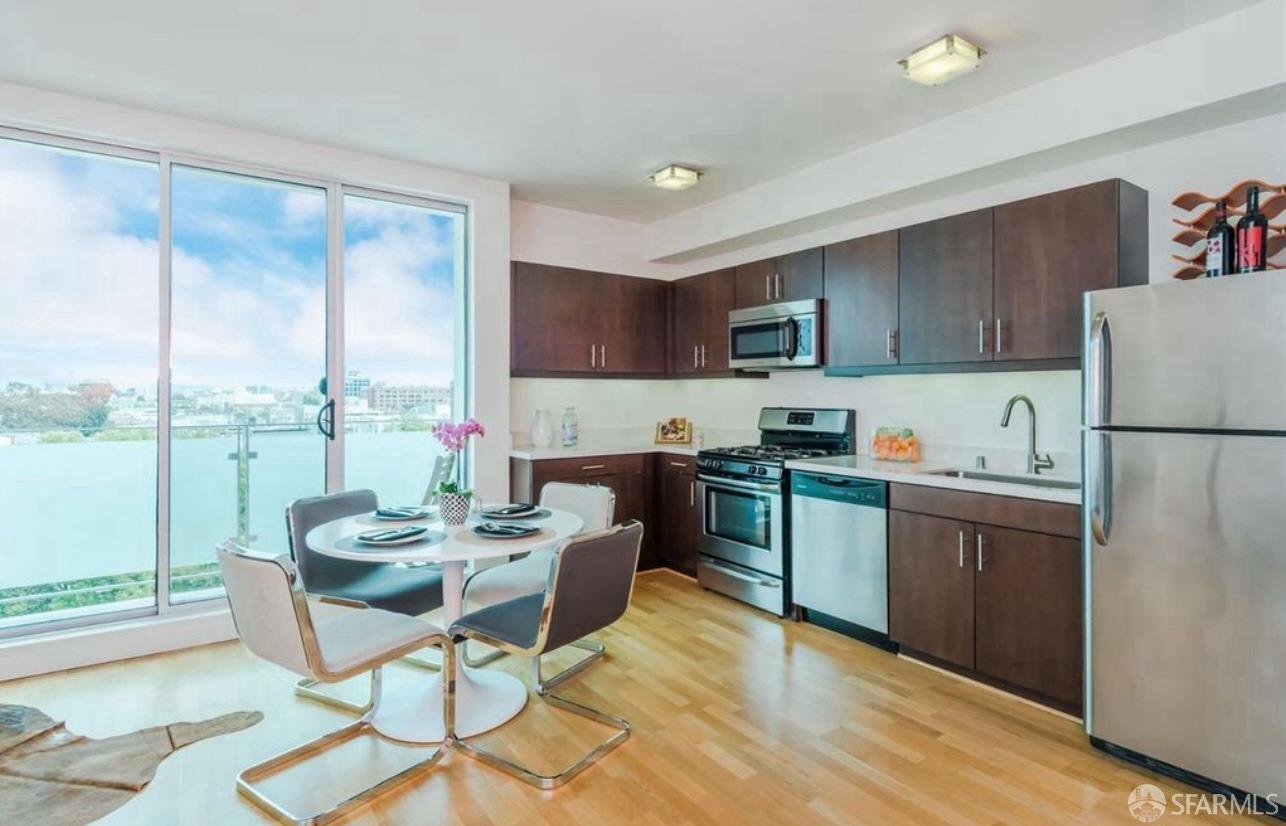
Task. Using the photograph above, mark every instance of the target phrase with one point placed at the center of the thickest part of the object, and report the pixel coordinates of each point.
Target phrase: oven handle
(734, 483)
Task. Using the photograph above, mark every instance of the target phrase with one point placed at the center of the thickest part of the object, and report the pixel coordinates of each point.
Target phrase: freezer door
(1185, 553)
(1207, 354)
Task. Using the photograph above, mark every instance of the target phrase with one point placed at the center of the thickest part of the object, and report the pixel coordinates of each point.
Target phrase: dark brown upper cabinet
(793, 277)
(1049, 251)
(861, 291)
(699, 307)
(944, 302)
(573, 322)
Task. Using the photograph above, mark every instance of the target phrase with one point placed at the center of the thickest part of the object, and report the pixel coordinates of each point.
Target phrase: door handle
(978, 542)
(961, 548)
(1098, 396)
(1101, 474)
(326, 420)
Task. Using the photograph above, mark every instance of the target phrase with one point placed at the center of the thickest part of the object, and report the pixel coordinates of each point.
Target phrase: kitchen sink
(1009, 478)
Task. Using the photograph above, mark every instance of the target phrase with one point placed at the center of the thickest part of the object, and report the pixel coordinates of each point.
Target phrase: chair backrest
(443, 467)
(269, 607)
(594, 504)
(319, 571)
(590, 584)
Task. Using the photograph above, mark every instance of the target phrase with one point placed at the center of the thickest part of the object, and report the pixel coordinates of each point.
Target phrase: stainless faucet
(1035, 462)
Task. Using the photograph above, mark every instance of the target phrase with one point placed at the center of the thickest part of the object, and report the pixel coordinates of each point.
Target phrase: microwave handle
(792, 338)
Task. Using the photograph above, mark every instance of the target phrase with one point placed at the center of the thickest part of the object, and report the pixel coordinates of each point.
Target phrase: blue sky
(78, 238)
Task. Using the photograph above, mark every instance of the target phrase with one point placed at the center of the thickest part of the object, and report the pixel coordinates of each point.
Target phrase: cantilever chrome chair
(271, 613)
(596, 506)
(410, 591)
(590, 584)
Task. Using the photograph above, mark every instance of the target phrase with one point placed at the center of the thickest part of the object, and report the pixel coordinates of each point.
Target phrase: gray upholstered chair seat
(357, 640)
(516, 621)
(409, 591)
(502, 583)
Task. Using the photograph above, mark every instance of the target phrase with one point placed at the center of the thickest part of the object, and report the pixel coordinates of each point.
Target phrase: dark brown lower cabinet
(629, 476)
(1001, 602)
(931, 589)
(1029, 615)
(676, 514)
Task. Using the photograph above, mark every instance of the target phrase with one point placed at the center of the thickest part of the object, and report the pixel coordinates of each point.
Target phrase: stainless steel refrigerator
(1185, 527)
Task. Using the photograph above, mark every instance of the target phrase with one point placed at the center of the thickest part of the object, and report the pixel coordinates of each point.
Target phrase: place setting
(391, 536)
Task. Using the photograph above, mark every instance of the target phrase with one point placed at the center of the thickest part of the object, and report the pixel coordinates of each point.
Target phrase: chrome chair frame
(543, 687)
(248, 778)
(596, 649)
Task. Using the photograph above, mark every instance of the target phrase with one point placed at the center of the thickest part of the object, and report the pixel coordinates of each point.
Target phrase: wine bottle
(1221, 245)
(1252, 236)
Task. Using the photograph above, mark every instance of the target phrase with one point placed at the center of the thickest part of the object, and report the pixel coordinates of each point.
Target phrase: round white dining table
(484, 699)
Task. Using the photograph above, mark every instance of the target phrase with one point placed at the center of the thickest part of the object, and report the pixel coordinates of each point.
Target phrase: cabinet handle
(891, 347)
(678, 464)
(703, 355)
(593, 357)
(982, 331)
(777, 282)
(961, 549)
(692, 494)
(767, 287)
(978, 539)
(997, 335)
(600, 467)
(696, 362)
(602, 355)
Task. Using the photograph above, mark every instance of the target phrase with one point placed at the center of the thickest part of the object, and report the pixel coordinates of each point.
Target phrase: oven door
(741, 522)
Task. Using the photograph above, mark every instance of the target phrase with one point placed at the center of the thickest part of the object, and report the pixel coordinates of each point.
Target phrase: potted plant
(454, 501)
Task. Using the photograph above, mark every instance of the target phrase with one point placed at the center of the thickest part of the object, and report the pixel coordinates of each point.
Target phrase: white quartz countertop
(920, 473)
(612, 448)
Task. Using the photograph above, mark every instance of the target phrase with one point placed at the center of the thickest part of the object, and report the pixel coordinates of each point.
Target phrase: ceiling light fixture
(676, 177)
(943, 60)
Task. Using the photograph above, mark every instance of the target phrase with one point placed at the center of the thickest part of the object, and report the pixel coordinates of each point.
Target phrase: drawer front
(589, 466)
(1004, 511)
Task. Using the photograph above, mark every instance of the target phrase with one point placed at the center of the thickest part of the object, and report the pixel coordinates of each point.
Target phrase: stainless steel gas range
(743, 506)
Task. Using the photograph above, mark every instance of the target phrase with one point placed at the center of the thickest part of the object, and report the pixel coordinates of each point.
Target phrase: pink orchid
(454, 437)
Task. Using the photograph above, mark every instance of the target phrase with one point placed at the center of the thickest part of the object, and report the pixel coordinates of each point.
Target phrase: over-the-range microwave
(776, 336)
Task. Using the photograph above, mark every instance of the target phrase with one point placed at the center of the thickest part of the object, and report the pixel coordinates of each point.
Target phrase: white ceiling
(573, 101)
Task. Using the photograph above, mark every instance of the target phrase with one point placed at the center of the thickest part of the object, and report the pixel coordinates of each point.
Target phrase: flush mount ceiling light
(676, 177)
(943, 60)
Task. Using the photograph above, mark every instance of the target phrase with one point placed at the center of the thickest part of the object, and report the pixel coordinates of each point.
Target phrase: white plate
(423, 513)
(489, 515)
(406, 540)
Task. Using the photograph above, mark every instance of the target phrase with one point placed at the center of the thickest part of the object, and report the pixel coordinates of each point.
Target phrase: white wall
(488, 200)
(551, 235)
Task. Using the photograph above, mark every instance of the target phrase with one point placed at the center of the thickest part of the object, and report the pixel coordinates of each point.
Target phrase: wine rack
(1199, 215)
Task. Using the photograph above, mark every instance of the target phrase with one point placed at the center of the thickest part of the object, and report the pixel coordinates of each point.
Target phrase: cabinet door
(944, 302)
(556, 316)
(687, 324)
(1049, 251)
(799, 275)
(1029, 614)
(931, 602)
(861, 289)
(632, 325)
(718, 297)
(755, 283)
(677, 517)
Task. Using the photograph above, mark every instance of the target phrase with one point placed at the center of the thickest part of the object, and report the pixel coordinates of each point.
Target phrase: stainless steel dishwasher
(839, 552)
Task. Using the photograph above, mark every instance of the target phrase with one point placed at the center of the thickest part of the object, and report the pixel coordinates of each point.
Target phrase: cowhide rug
(55, 777)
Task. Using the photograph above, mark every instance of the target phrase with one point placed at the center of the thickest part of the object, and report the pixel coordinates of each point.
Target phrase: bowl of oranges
(895, 444)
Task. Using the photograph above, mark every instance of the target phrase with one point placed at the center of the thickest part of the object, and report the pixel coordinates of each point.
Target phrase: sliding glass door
(186, 348)
(403, 282)
(78, 390)
(248, 353)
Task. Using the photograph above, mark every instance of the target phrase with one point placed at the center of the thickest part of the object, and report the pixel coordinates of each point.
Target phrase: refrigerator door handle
(1099, 398)
(1101, 507)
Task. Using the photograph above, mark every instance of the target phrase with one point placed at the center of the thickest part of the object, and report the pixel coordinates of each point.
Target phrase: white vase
(454, 508)
(542, 429)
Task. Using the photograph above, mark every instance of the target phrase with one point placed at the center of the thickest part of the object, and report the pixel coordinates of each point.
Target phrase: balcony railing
(247, 472)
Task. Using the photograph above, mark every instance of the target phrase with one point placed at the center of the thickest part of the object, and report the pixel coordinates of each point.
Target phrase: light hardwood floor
(738, 718)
